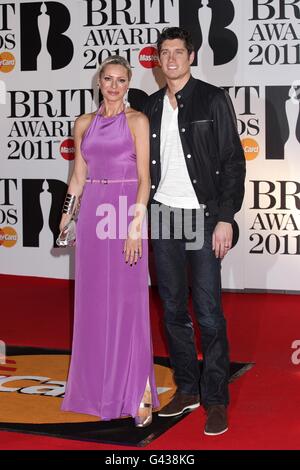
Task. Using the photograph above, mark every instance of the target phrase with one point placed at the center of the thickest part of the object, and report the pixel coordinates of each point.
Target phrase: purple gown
(112, 350)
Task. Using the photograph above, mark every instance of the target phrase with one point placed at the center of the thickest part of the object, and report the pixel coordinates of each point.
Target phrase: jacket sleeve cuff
(226, 214)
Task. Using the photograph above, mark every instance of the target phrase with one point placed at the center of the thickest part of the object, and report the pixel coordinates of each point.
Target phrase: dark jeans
(172, 259)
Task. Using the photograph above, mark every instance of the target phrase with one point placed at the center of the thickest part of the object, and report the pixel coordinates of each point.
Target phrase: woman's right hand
(65, 219)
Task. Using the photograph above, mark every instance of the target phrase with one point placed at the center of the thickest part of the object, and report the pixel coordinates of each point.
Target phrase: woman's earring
(125, 100)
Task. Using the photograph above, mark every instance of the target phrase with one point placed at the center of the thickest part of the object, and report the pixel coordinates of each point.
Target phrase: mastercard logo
(8, 237)
(251, 148)
(7, 62)
(67, 149)
(148, 57)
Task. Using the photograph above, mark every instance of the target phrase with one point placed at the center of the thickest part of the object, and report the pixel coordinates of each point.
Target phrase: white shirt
(175, 188)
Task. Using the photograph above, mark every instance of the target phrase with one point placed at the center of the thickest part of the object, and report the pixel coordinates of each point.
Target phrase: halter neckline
(109, 117)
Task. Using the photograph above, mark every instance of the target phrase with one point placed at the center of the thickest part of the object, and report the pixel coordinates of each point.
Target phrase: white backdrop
(49, 54)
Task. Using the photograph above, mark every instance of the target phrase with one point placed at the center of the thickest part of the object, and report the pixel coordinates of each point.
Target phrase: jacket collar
(184, 92)
(187, 89)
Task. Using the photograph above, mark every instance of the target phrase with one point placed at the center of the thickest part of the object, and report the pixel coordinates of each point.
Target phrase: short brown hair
(175, 32)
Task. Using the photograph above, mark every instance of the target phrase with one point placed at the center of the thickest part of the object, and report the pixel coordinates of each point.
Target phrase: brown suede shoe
(180, 403)
(216, 422)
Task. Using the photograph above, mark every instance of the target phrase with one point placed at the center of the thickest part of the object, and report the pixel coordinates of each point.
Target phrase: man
(197, 162)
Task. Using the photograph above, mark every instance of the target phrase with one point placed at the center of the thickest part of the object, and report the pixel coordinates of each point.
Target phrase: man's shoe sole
(215, 433)
(187, 408)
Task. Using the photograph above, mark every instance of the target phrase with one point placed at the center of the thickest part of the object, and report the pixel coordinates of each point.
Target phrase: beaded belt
(107, 181)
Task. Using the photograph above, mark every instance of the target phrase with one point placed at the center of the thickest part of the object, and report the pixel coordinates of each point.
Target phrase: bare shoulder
(137, 119)
(83, 121)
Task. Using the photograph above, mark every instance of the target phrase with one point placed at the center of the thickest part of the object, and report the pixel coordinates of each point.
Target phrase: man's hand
(222, 239)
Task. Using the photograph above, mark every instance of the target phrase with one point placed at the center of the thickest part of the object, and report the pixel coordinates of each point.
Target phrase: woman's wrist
(65, 218)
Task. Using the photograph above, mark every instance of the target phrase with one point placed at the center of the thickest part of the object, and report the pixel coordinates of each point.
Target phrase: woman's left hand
(133, 248)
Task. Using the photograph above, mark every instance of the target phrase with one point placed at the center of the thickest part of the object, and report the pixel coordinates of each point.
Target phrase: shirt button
(154, 135)
(183, 129)
(207, 214)
(204, 206)
(181, 105)
(189, 155)
(179, 96)
(194, 181)
(217, 172)
(153, 162)
(153, 186)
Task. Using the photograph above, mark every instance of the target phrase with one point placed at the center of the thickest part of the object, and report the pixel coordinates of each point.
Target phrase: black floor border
(116, 432)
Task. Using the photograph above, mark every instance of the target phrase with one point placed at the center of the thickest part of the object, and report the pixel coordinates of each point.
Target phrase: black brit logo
(208, 21)
(283, 121)
(44, 43)
(42, 204)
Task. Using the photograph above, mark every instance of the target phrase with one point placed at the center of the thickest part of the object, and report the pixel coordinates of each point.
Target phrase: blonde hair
(115, 60)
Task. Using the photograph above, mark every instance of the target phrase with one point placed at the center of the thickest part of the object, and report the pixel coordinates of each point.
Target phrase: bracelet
(69, 204)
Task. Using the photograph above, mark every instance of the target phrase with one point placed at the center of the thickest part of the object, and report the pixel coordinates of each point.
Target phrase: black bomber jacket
(213, 152)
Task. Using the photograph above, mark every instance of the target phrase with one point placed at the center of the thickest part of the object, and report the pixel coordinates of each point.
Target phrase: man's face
(174, 59)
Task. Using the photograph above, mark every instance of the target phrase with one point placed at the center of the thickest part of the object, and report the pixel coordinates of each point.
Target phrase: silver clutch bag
(67, 236)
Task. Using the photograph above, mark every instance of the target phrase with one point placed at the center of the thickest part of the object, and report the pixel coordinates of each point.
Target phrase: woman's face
(114, 82)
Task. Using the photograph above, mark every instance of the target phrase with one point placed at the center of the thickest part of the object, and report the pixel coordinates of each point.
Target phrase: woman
(111, 373)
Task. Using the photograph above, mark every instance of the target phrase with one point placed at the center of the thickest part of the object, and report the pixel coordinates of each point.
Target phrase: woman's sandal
(146, 420)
